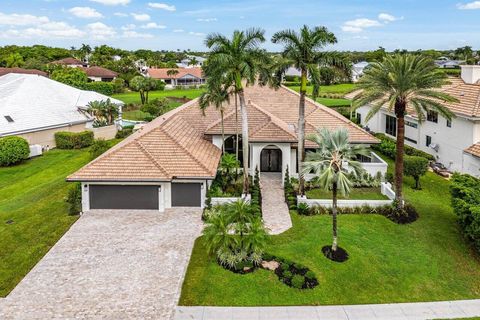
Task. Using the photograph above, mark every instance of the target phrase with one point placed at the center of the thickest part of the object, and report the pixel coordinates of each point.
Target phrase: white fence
(221, 201)
(385, 188)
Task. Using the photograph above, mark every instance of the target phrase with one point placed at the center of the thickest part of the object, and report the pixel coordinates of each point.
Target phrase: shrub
(287, 274)
(13, 150)
(415, 167)
(465, 191)
(298, 281)
(388, 147)
(106, 88)
(73, 140)
(74, 199)
(303, 209)
(125, 132)
(98, 147)
(155, 107)
(310, 275)
(118, 85)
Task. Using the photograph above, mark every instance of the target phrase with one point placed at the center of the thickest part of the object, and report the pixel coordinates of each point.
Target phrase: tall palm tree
(216, 95)
(172, 73)
(302, 51)
(398, 83)
(241, 58)
(332, 163)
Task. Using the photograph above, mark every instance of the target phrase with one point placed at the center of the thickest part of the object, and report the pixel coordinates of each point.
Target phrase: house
(180, 77)
(172, 160)
(446, 63)
(455, 143)
(4, 71)
(70, 62)
(357, 70)
(35, 107)
(95, 74)
(187, 62)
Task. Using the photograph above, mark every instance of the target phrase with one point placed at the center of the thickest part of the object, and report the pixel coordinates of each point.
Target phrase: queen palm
(302, 51)
(239, 58)
(332, 163)
(399, 83)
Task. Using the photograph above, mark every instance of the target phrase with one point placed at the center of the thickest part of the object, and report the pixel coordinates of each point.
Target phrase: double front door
(271, 160)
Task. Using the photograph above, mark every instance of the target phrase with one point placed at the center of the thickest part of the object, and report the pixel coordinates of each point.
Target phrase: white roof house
(357, 70)
(30, 103)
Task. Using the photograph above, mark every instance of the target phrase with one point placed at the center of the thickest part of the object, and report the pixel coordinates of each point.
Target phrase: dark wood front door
(271, 160)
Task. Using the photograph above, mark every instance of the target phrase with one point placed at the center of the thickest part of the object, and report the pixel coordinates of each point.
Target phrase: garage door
(186, 194)
(123, 197)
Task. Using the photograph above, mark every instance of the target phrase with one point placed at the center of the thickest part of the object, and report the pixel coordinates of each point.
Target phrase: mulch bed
(339, 255)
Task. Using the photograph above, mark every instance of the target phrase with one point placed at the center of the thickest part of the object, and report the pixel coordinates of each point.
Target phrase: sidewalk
(398, 311)
(276, 215)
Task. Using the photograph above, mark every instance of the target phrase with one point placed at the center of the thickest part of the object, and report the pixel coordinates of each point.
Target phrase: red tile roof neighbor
(4, 71)
(68, 61)
(474, 150)
(99, 72)
(175, 145)
(161, 73)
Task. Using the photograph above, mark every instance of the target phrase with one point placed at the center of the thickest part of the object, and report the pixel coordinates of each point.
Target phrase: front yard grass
(342, 88)
(428, 260)
(355, 194)
(32, 199)
(134, 97)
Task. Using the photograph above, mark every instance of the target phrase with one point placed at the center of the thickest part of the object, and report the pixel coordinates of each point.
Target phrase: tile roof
(100, 72)
(161, 73)
(474, 149)
(4, 71)
(68, 61)
(175, 145)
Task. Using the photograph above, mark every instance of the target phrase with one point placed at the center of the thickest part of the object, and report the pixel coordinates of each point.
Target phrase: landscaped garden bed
(369, 193)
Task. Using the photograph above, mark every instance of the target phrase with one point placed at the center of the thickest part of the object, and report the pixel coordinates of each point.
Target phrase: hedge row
(73, 140)
(106, 88)
(388, 147)
(13, 150)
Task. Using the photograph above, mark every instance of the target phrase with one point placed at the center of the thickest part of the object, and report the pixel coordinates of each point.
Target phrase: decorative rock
(270, 265)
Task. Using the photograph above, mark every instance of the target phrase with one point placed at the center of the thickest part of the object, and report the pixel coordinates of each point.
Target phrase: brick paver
(276, 215)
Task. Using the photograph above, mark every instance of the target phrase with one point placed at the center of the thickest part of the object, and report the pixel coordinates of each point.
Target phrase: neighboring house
(293, 72)
(4, 71)
(183, 77)
(446, 63)
(172, 160)
(95, 73)
(456, 143)
(186, 63)
(357, 70)
(70, 62)
(35, 107)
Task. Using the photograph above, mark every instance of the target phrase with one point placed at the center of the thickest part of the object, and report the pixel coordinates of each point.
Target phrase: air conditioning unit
(434, 146)
(35, 150)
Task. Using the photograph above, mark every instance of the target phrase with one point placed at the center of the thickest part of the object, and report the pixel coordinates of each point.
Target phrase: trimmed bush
(13, 150)
(125, 132)
(74, 199)
(98, 147)
(303, 209)
(106, 88)
(415, 167)
(298, 281)
(388, 147)
(73, 140)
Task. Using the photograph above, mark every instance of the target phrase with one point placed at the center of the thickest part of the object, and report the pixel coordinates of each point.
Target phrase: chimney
(471, 74)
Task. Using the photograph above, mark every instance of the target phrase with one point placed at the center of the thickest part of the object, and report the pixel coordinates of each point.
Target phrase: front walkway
(400, 311)
(276, 215)
(111, 264)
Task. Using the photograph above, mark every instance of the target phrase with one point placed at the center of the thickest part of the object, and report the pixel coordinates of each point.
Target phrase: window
(432, 116)
(9, 119)
(391, 125)
(411, 140)
(449, 123)
(411, 124)
(359, 118)
(428, 141)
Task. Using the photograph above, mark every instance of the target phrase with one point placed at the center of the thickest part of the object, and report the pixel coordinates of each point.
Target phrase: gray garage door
(123, 197)
(186, 194)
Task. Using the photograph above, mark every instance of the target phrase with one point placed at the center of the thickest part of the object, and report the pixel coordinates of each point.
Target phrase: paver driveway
(110, 265)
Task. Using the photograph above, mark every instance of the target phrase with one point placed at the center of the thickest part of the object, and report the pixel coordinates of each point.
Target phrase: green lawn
(139, 115)
(32, 195)
(134, 97)
(426, 261)
(329, 102)
(355, 194)
(342, 88)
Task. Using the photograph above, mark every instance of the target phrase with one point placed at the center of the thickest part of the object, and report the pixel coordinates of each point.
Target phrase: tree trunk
(334, 217)
(243, 109)
(223, 133)
(400, 113)
(146, 96)
(236, 127)
(301, 133)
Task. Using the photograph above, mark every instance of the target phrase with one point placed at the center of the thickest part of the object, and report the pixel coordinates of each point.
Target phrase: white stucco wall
(256, 149)
(471, 165)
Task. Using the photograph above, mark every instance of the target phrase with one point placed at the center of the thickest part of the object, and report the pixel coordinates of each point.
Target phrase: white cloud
(178, 30)
(112, 2)
(153, 25)
(85, 12)
(163, 6)
(198, 34)
(21, 19)
(469, 6)
(100, 31)
(206, 19)
(141, 16)
(120, 14)
(49, 30)
(127, 27)
(385, 17)
(134, 34)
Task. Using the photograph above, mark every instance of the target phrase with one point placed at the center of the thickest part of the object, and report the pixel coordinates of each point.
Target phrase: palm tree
(216, 94)
(301, 50)
(398, 83)
(332, 163)
(239, 58)
(172, 73)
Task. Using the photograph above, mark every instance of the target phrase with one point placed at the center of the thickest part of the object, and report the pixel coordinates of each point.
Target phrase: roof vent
(9, 119)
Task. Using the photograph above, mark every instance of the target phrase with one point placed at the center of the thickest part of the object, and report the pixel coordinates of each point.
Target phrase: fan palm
(398, 83)
(238, 59)
(301, 50)
(333, 163)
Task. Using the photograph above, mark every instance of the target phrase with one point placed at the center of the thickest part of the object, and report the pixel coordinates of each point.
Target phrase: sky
(183, 24)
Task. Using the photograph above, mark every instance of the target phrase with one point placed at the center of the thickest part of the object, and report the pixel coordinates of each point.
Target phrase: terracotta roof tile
(162, 73)
(100, 72)
(474, 150)
(4, 71)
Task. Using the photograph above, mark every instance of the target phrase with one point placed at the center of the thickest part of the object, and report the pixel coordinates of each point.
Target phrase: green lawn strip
(134, 97)
(355, 194)
(32, 194)
(332, 103)
(342, 88)
(428, 260)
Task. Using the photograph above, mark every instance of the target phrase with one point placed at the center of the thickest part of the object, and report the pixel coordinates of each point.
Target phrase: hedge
(388, 147)
(13, 150)
(106, 88)
(465, 191)
(73, 140)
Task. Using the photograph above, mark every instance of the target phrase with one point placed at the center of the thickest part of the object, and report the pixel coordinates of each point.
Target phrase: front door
(271, 160)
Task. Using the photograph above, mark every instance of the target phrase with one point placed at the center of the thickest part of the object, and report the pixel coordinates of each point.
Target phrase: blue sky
(182, 24)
